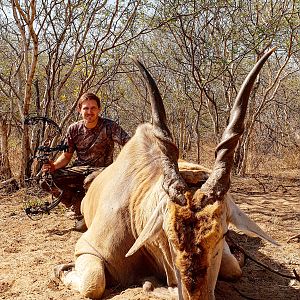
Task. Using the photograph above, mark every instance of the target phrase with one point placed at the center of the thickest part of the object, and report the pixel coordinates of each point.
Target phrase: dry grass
(30, 249)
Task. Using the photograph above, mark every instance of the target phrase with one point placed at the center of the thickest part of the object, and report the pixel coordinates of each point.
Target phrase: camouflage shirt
(95, 146)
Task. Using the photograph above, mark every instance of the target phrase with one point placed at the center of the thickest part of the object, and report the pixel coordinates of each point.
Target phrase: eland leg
(230, 269)
(86, 276)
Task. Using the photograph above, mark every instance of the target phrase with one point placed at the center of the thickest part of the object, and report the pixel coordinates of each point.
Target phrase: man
(93, 140)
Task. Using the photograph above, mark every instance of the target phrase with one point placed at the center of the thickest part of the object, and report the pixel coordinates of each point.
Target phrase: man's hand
(49, 167)
(59, 163)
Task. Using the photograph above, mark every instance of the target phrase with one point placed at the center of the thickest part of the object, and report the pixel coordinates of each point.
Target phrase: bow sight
(34, 207)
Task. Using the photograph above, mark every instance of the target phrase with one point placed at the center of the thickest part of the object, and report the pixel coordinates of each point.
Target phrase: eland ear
(241, 221)
(151, 229)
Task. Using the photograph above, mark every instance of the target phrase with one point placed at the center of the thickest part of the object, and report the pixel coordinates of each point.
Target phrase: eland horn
(218, 182)
(158, 111)
(173, 183)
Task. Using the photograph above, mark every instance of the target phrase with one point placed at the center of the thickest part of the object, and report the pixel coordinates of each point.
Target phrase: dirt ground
(30, 249)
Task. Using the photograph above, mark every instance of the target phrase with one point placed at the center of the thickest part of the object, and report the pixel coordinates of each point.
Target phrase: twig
(297, 236)
(273, 271)
(281, 186)
(296, 277)
(261, 184)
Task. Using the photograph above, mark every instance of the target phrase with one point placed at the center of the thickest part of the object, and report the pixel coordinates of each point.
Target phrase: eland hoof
(60, 270)
(80, 226)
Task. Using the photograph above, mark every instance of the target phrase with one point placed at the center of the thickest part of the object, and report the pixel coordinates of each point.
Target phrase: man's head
(88, 96)
(89, 108)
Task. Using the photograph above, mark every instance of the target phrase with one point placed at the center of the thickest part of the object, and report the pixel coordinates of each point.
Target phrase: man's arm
(119, 135)
(60, 162)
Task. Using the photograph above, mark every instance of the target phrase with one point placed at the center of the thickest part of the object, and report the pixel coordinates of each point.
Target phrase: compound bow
(34, 208)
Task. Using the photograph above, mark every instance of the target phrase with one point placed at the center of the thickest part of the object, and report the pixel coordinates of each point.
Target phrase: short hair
(88, 96)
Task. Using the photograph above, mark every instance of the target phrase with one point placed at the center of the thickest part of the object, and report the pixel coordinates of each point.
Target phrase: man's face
(90, 111)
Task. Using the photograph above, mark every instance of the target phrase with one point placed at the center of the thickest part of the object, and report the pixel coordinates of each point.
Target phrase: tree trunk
(4, 160)
(181, 135)
(25, 171)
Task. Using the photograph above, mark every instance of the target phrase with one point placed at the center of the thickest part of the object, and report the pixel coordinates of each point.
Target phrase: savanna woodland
(199, 52)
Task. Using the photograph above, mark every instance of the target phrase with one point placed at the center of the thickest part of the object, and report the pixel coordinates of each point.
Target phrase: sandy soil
(30, 249)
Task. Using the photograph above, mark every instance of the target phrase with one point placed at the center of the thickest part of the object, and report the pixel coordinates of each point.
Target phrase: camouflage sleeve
(119, 135)
(69, 141)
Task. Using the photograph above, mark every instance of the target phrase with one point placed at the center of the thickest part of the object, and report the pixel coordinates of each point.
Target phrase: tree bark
(5, 168)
